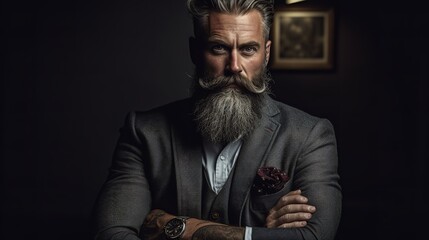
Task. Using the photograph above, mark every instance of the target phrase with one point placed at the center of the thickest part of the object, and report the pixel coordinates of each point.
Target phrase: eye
(249, 50)
(218, 49)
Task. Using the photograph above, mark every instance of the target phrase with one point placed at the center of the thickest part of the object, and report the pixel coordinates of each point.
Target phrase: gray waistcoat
(215, 207)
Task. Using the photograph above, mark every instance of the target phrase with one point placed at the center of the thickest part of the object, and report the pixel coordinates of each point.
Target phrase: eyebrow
(251, 43)
(246, 44)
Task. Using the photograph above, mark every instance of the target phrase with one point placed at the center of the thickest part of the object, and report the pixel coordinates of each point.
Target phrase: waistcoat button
(214, 216)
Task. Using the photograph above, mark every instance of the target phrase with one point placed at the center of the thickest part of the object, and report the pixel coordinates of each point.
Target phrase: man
(229, 162)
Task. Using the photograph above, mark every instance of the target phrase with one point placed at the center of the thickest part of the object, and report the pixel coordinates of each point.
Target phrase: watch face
(174, 228)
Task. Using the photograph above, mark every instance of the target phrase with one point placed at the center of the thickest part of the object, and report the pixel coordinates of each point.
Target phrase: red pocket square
(269, 180)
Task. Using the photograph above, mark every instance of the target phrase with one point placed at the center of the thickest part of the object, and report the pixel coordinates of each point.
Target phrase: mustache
(217, 83)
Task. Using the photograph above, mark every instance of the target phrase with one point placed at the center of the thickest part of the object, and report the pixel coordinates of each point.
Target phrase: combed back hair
(200, 9)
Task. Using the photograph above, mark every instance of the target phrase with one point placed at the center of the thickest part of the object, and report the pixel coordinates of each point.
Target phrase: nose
(234, 65)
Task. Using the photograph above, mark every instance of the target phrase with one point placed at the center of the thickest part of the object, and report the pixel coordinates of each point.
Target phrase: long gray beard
(224, 114)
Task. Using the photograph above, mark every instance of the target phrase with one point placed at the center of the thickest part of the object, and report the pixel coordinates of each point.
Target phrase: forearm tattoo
(217, 232)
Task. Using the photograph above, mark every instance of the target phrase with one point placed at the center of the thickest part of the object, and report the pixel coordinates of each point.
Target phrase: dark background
(72, 70)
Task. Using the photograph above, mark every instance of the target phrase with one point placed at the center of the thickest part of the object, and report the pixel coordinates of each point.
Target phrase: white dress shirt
(218, 161)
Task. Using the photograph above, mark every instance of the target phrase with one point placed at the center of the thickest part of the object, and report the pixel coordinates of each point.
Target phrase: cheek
(254, 66)
(214, 65)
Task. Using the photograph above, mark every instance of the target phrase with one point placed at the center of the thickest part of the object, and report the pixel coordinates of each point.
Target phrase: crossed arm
(290, 211)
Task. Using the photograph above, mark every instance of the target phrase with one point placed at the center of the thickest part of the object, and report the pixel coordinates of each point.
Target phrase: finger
(292, 208)
(293, 217)
(289, 199)
(293, 225)
(288, 218)
(285, 212)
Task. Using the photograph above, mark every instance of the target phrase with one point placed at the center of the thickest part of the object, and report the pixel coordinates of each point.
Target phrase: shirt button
(222, 158)
(214, 216)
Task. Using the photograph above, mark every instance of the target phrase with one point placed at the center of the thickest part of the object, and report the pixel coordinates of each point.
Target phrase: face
(234, 45)
(230, 58)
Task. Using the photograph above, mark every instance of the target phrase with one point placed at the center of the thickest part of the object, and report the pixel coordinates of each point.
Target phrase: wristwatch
(175, 228)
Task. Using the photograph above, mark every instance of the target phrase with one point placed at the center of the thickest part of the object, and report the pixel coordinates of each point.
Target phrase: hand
(290, 211)
(153, 225)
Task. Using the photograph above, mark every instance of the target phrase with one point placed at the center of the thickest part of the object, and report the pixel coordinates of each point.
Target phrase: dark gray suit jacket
(157, 164)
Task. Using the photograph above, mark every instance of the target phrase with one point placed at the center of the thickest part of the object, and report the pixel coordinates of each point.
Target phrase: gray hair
(200, 9)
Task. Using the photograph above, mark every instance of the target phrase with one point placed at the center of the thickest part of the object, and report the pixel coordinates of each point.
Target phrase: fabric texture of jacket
(157, 164)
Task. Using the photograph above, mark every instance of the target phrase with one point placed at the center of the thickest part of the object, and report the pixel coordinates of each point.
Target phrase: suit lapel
(252, 156)
(187, 159)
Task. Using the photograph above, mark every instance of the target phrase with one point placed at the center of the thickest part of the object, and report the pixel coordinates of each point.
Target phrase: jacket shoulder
(160, 116)
(291, 112)
(297, 119)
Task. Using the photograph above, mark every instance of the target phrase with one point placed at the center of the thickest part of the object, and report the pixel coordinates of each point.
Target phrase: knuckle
(303, 208)
(287, 208)
(284, 199)
(295, 224)
(284, 218)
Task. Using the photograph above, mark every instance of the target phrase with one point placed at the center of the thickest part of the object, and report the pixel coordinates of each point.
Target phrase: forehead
(227, 25)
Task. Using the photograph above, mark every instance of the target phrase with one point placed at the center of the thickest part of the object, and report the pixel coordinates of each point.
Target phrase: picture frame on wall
(303, 39)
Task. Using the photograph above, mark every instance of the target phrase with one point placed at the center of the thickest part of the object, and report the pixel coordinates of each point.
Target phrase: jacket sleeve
(317, 176)
(124, 199)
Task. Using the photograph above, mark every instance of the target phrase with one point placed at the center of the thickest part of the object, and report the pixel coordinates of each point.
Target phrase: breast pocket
(264, 203)
(257, 207)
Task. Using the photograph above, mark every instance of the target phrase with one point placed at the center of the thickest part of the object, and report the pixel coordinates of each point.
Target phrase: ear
(194, 50)
(267, 51)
